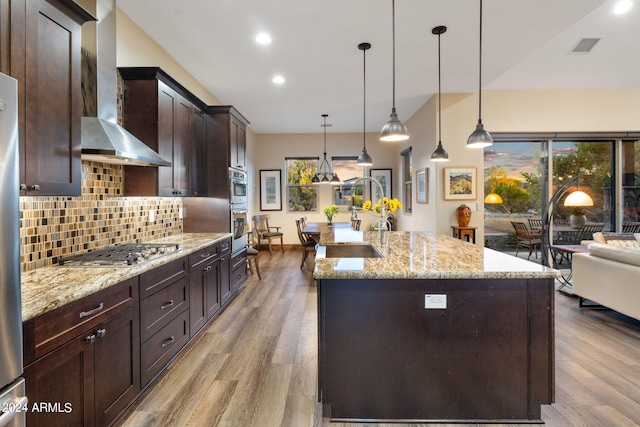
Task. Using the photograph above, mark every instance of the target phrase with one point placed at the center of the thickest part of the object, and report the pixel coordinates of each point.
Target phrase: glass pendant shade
(578, 198)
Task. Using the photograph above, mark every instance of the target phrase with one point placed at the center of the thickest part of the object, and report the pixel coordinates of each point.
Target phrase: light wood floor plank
(257, 363)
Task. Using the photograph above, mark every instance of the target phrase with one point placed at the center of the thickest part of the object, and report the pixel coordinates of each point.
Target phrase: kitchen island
(428, 328)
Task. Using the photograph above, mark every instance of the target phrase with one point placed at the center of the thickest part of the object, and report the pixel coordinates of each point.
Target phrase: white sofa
(610, 273)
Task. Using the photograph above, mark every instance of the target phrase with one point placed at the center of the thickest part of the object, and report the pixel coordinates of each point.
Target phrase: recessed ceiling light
(278, 79)
(263, 38)
(623, 6)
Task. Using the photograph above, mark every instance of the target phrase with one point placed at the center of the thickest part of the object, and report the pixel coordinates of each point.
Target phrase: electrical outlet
(152, 215)
(435, 301)
(180, 213)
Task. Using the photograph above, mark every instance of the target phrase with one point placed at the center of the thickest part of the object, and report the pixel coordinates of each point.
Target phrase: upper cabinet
(40, 43)
(229, 134)
(168, 119)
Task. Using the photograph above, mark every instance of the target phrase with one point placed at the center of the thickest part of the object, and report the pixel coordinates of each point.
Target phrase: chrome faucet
(382, 222)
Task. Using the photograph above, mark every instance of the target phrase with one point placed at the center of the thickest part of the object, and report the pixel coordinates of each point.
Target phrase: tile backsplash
(54, 227)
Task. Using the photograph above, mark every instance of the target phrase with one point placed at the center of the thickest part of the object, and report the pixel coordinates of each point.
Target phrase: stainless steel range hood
(103, 140)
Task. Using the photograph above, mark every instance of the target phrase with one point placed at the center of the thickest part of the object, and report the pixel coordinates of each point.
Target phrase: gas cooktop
(125, 255)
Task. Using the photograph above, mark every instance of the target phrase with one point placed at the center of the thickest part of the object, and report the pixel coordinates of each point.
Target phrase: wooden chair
(266, 232)
(526, 239)
(535, 225)
(631, 227)
(252, 256)
(355, 224)
(308, 244)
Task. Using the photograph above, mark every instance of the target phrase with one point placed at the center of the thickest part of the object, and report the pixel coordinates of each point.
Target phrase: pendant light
(440, 154)
(394, 129)
(324, 174)
(364, 159)
(480, 138)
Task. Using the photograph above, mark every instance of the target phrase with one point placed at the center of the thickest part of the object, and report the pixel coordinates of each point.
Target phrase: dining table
(314, 229)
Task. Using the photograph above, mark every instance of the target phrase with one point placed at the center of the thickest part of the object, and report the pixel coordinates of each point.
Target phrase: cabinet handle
(168, 341)
(207, 268)
(101, 333)
(166, 305)
(207, 255)
(34, 187)
(23, 187)
(90, 339)
(91, 312)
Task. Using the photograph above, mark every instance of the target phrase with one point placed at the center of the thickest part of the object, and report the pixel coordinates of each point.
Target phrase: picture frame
(270, 190)
(384, 177)
(422, 186)
(460, 183)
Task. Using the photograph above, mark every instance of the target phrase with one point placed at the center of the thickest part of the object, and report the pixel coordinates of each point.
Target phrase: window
(630, 182)
(407, 166)
(346, 194)
(301, 194)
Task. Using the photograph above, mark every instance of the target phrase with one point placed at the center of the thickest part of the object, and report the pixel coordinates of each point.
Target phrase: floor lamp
(576, 198)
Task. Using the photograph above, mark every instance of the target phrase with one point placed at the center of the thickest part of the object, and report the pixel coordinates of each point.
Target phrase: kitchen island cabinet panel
(485, 357)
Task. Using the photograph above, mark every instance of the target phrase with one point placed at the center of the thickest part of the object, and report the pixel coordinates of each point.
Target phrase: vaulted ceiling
(527, 44)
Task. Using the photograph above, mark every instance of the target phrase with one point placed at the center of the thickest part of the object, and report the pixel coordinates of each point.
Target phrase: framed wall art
(383, 176)
(270, 190)
(422, 186)
(460, 183)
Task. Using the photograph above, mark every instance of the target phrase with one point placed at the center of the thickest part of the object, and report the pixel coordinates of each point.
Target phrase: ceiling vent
(585, 45)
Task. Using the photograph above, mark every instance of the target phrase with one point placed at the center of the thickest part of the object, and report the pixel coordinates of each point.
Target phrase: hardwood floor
(256, 364)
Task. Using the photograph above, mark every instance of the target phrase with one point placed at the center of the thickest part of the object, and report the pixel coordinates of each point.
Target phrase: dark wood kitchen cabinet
(40, 47)
(84, 358)
(204, 285)
(227, 141)
(169, 119)
(164, 314)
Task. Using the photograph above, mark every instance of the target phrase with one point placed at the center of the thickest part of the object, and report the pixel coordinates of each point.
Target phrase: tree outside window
(302, 195)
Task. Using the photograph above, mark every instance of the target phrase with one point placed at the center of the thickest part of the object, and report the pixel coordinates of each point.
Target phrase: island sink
(352, 250)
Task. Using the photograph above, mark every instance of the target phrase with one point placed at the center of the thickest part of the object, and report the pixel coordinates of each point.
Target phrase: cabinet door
(167, 105)
(238, 144)
(213, 289)
(63, 378)
(181, 164)
(117, 364)
(53, 101)
(198, 154)
(225, 283)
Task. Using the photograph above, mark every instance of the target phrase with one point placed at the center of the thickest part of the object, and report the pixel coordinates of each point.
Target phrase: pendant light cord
(364, 98)
(480, 71)
(393, 38)
(439, 97)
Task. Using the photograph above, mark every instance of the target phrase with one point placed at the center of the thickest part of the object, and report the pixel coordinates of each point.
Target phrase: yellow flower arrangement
(390, 205)
(330, 211)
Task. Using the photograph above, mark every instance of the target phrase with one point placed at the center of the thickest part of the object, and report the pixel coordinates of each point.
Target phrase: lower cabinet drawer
(160, 308)
(238, 272)
(163, 346)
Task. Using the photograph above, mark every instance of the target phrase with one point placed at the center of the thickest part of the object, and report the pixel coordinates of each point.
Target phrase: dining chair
(526, 239)
(535, 225)
(631, 227)
(266, 232)
(308, 244)
(252, 255)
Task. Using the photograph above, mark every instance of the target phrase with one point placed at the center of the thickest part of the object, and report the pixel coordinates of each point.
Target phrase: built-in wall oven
(238, 227)
(238, 181)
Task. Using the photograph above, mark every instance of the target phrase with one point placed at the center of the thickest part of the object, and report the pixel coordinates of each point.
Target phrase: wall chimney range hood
(103, 140)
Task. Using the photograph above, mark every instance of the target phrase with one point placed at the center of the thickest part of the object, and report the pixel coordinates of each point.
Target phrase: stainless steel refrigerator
(13, 402)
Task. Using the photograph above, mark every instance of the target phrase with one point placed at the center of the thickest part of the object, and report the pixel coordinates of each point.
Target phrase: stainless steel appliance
(12, 392)
(238, 181)
(124, 255)
(238, 227)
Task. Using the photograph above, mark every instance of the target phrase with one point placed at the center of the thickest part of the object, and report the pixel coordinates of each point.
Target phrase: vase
(463, 215)
(577, 220)
(329, 221)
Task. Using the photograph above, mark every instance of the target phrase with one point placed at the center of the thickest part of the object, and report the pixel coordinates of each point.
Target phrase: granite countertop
(48, 288)
(421, 255)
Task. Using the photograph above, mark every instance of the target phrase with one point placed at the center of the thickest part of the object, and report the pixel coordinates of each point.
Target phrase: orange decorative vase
(463, 215)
